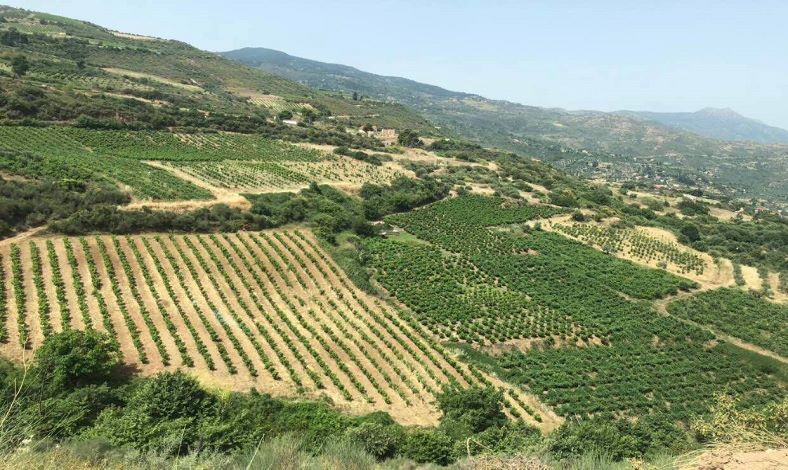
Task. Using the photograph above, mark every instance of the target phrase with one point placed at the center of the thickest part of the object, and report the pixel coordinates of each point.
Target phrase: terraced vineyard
(268, 310)
(636, 245)
(261, 176)
(594, 343)
(78, 154)
(738, 313)
(276, 103)
(246, 176)
(240, 162)
(151, 145)
(91, 82)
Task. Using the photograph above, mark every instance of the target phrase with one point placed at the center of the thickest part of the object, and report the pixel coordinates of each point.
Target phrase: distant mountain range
(717, 123)
(505, 124)
(491, 122)
(617, 146)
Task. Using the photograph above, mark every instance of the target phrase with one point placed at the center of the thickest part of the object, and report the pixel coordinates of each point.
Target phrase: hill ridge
(594, 144)
(718, 123)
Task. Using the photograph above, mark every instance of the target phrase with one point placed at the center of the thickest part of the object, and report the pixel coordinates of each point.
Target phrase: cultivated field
(266, 310)
(91, 82)
(275, 103)
(574, 325)
(659, 248)
(639, 244)
(161, 166)
(741, 314)
(166, 81)
(264, 176)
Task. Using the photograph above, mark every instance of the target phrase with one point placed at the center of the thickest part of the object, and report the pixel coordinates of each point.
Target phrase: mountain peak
(719, 113)
(717, 123)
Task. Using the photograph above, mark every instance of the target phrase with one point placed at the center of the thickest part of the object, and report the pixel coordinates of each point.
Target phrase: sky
(605, 55)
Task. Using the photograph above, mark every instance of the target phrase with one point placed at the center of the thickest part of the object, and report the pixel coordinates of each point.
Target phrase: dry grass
(155, 78)
(727, 424)
(491, 462)
(281, 453)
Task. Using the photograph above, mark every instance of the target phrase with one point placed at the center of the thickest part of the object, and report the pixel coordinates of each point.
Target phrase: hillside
(625, 132)
(93, 71)
(255, 345)
(723, 124)
(578, 141)
(205, 265)
(495, 122)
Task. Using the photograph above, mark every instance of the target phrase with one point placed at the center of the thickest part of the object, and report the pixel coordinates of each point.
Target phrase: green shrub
(132, 427)
(469, 411)
(576, 438)
(425, 446)
(510, 439)
(691, 207)
(241, 421)
(67, 415)
(409, 138)
(75, 358)
(171, 395)
(380, 440)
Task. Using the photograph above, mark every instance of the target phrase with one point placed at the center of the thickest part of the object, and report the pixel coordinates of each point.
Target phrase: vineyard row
(269, 310)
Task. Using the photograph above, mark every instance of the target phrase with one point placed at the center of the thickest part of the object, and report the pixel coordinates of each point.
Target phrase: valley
(616, 146)
(204, 257)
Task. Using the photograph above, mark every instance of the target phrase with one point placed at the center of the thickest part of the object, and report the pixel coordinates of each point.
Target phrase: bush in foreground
(73, 397)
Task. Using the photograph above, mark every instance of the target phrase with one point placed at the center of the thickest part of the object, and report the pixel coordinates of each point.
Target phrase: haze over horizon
(565, 54)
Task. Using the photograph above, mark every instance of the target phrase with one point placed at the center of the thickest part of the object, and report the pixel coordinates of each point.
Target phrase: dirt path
(737, 459)
(662, 304)
(777, 295)
(221, 195)
(237, 201)
(156, 78)
(752, 280)
(20, 237)
(187, 177)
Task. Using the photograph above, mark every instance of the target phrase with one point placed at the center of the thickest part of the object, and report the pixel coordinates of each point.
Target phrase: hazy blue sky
(605, 55)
